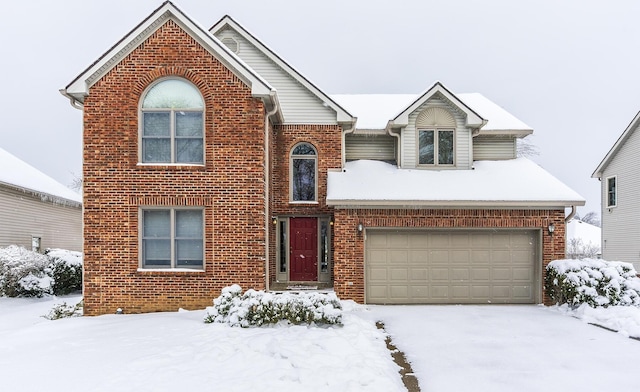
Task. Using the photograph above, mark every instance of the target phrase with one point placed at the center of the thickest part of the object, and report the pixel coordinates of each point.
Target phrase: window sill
(171, 165)
(304, 202)
(170, 270)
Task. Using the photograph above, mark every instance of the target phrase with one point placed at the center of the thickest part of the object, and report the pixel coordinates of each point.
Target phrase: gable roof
(79, 87)
(375, 110)
(342, 115)
(474, 120)
(18, 174)
(517, 183)
(616, 146)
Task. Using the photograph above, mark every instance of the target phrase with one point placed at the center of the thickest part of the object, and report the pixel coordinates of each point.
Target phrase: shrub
(63, 311)
(257, 308)
(593, 282)
(24, 273)
(66, 270)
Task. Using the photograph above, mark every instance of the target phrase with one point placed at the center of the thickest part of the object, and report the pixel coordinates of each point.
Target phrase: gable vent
(231, 43)
(435, 117)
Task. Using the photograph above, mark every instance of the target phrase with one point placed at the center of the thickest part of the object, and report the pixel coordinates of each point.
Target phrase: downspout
(397, 136)
(571, 214)
(267, 215)
(74, 102)
(343, 141)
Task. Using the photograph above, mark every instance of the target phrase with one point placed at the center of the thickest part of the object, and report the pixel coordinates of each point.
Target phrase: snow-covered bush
(592, 282)
(63, 311)
(66, 270)
(257, 308)
(24, 273)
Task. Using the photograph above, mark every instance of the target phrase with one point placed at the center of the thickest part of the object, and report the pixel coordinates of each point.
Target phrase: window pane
(156, 223)
(283, 246)
(156, 252)
(156, 124)
(611, 192)
(304, 179)
(304, 149)
(156, 150)
(445, 147)
(188, 223)
(173, 93)
(324, 246)
(189, 150)
(189, 253)
(426, 148)
(188, 123)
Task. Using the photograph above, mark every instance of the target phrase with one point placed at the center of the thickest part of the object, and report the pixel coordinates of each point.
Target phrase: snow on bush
(24, 273)
(592, 282)
(66, 270)
(257, 308)
(63, 311)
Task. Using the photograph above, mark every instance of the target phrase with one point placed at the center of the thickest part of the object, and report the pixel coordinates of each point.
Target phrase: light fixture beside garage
(360, 227)
(552, 228)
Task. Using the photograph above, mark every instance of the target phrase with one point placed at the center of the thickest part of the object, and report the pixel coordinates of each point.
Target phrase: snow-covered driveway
(509, 348)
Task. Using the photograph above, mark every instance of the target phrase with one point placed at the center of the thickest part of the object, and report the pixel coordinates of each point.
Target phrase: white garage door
(459, 267)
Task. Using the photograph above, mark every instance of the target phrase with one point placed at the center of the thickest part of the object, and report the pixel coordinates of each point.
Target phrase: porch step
(300, 286)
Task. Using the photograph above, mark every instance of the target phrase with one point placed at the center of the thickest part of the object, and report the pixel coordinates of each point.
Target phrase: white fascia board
(342, 116)
(474, 120)
(79, 87)
(616, 146)
(498, 204)
(519, 133)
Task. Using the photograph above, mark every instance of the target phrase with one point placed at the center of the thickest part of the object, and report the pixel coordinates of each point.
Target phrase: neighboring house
(619, 175)
(209, 160)
(583, 240)
(36, 211)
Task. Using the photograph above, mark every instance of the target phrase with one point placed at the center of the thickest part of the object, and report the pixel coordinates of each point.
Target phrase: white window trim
(435, 148)
(615, 191)
(315, 158)
(172, 111)
(172, 267)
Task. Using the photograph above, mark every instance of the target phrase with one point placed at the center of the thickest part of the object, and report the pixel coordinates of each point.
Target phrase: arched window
(436, 137)
(304, 166)
(172, 123)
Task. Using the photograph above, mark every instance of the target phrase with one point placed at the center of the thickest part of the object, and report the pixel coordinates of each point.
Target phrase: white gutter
(397, 136)
(571, 214)
(267, 216)
(74, 102)
(343, 142)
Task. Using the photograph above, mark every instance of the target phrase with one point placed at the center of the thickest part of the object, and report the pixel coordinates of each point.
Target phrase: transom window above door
(303, 173)
(172, 123)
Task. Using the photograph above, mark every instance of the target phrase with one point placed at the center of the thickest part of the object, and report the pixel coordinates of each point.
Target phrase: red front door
(303, 249)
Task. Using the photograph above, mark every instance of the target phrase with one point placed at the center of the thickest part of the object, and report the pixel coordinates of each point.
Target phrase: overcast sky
(569, 69)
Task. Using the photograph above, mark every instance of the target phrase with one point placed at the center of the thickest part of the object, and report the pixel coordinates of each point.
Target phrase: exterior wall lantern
(360, 227)
(551, 228)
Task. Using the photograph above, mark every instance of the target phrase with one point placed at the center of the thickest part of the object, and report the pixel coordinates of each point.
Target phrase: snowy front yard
(451, 348)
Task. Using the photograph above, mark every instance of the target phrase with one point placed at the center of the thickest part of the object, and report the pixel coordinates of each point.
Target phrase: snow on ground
(451, 348)
(178, 352)
(509, 348)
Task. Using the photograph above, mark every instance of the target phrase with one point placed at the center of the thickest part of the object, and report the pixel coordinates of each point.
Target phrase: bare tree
(76, 183)
(526, 148)
(591, 218)
(577, 249)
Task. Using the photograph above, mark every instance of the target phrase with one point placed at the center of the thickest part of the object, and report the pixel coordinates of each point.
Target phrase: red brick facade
(349, 244)
(229, 186)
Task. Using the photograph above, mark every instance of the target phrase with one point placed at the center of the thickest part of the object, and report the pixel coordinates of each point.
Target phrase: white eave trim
(474, 120)
(342, 116)
(497, 204)
(520, 133)
(79, 87)
(616, 146)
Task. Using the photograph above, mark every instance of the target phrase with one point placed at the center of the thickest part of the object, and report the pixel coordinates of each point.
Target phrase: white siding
(299, 105)
(621, 224)
(377, 147)
(24, 215)
(462, 135)
(493, 148)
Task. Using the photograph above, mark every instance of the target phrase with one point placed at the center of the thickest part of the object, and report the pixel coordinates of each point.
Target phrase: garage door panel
(473, 266)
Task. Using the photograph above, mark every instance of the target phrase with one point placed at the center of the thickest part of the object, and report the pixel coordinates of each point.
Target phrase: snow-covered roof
(589, 233)
(633, 125)
(19, 174)
(509, 183)
(375, 110)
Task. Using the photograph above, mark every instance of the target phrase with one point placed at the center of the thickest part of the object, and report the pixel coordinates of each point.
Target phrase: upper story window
(172, 123)
(304, 179)
(612, 192)
(436, 137)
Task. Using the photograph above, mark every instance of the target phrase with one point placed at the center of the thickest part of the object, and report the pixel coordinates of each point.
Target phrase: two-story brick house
(209, 160)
